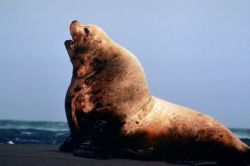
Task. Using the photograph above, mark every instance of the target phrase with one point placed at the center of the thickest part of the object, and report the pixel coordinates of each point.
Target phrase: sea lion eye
(86, 30)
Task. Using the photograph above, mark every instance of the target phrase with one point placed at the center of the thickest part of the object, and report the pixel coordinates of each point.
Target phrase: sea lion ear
(86, 30)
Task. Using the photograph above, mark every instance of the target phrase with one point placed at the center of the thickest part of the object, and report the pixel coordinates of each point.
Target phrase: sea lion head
(85, 39)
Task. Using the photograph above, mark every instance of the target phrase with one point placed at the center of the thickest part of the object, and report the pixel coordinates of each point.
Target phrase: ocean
(32, 132)
(41, 132)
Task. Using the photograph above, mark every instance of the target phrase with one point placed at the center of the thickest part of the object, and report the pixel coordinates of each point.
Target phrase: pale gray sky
(195, 53)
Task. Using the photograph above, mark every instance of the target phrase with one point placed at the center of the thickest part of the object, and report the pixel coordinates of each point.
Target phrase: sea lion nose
(76, 30)
(75, 21)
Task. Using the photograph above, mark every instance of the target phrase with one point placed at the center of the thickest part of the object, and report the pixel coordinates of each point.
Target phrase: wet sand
(48, 155)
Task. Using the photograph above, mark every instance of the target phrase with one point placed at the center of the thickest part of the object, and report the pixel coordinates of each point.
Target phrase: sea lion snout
(76, 30)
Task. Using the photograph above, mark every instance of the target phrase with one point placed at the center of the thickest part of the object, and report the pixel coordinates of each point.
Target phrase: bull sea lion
(108, 102)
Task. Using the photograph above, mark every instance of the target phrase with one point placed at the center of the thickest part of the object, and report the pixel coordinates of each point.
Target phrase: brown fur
(109, 84)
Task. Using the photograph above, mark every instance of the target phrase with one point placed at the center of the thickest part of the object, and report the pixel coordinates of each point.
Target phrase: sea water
(32, 132)
(41, 132)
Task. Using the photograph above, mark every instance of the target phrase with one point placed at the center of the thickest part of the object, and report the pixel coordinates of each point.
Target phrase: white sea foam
(10, 142)
(26, 132)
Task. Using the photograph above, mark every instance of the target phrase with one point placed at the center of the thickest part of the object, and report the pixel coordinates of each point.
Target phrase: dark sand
(43, 155)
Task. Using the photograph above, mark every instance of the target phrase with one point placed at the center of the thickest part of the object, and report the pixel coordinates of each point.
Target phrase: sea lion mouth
(76, 31)
(68, 43)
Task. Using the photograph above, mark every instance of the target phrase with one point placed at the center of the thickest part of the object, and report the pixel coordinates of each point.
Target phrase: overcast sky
(194, 53)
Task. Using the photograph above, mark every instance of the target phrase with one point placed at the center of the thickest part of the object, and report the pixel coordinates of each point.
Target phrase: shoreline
(48, 155)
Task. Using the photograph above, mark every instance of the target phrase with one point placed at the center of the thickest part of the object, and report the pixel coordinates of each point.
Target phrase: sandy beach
(48, 155)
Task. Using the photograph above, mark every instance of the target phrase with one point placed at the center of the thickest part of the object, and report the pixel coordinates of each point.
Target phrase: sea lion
(108, 101)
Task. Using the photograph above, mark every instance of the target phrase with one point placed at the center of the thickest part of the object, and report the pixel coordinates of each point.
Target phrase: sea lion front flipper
(87, 149)
(67, 145)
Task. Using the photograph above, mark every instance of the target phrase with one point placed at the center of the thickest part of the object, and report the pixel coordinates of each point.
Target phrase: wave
(241, 133)
(37, 125)
(32, 136)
